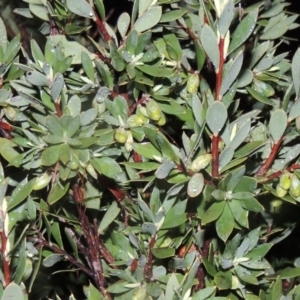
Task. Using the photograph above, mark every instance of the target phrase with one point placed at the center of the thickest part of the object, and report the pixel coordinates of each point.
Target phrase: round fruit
(121, 135)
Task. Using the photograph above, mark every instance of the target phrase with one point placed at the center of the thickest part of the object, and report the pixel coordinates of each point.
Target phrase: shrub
(155, 157)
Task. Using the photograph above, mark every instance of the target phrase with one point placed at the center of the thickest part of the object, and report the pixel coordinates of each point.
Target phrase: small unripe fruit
(193, 83)
(285, 180)
(153, 110)
(201, 162)
(139, 294)
(121, 135)
(295, 186)
(73, 165)
(42, 181)
(162, 120)
(135, 121)
(280, 191)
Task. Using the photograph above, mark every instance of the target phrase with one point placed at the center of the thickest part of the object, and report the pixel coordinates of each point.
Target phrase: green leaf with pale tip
(163, 252)
(213, 212)
(278, 124)
(172, 15)
(195, 185)
(210, 44)
(296, 72)
(155, 71)
(57, 86)
(230, 76)
(57, 192)
(148, 19)
(3, 35)
(225, 157)
(123, 24)
(13, 291)
(226, 18)
(225, 223)
(88, 66)
(110, 215)
(243, 31)
(258, 96)
(216, 117)
(80, 8)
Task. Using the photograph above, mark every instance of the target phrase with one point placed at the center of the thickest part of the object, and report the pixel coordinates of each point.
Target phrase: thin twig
(269, 161)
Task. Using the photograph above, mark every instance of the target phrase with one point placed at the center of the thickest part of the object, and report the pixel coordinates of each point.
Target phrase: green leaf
(37, 78)
(278, 124)
(241, 135)
(36, 51)
(166, 148)
(210, 44)
(243, 31)
(288, 273)
(164, 170)
(57, 86)
(230, 76)
(13, 291)
(7, 149)
(57, 192)
(107, 166)
(52, 259)
(155, 71)
(223, 280)
(88, 116)
(225, 157)
(259, 97)
(296, 72)
(40, 11)
(172, 15)
(205, 293)
(64, 153)
(123, 24)
(148, 19)
(54, 126)
(88, 66)
(195, 185)
(12, 49)
(216, 117)
(74, 105)
(80, 8)
(163, 252)
(3, 35)
(248, 149)
(110, 215)
(175, 216)
(226, 18)
(101, 9)
(225, 223)
(50, 155)
(240, 215)
(22, 190)
(147, 150)
(213, 212)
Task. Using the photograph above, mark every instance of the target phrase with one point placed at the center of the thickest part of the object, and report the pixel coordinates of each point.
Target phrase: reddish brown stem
(58, 108)
(219, 72)
(215, 156)
(102, 28)
(148, 267)
(6, 270)
(278, 174)
(140, 101)
(269, 161)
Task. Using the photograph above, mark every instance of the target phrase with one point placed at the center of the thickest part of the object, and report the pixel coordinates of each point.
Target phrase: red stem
(267, 164)
(219, 72)
(215, 156)
(216, 139)
(6, 270)
(101, 27)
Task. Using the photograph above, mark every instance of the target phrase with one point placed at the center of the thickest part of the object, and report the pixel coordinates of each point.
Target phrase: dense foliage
(154, 156)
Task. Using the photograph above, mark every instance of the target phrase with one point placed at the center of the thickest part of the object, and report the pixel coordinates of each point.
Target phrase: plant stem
(5, 261)
(269, 161)
(101, 27)
(219, 72)
(216, 138)
(148, 267)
